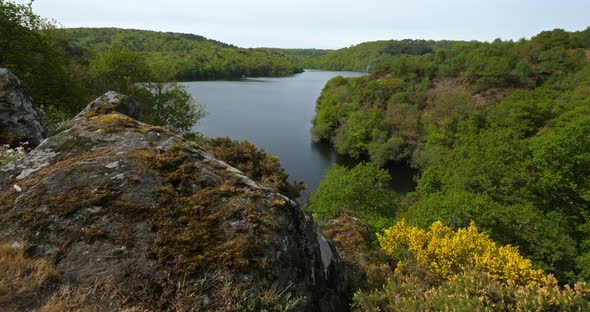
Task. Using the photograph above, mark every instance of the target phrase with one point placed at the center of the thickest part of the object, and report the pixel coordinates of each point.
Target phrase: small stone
(18, 188)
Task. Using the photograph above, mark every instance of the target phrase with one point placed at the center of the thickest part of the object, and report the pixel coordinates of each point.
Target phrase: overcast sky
(324, 23)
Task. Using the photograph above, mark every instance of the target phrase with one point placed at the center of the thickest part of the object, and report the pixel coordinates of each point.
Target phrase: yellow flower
(449, 253)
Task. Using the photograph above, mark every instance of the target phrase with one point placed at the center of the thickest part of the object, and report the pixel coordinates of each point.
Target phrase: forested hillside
(363, 56)
(302, 57)
(500, 130)
(191, 56)
(501, 134)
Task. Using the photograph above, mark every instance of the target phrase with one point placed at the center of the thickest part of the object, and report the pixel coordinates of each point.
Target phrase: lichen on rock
(114, 201)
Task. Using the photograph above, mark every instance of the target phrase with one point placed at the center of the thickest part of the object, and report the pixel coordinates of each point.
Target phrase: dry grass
(21, 276)
(69, 299)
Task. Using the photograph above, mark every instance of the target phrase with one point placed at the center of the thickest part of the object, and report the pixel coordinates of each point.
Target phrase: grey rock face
(19, 120)
(112, 199)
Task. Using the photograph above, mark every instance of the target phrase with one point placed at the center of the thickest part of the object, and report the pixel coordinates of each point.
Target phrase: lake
(276, 114)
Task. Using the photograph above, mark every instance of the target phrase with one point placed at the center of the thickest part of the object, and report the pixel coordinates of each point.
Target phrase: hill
(362, 56)
(192, 57)
(494, 127)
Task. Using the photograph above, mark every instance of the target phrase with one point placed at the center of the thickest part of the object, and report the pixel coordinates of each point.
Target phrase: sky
(324, 24)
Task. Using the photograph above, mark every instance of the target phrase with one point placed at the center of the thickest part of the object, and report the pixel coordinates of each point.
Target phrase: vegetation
(191, 57)
(500, 131)
(464, 270)
(64, 69)
(360, 190)
(166, 102)
(22, 276)
(501, 134)
(408, 290)
(447, 253)
(255, 163)
(8, 154)
(364, 56)
(31, 49)
(413, 105)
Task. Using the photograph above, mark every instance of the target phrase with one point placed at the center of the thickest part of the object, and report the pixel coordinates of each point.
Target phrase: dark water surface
(275, 114)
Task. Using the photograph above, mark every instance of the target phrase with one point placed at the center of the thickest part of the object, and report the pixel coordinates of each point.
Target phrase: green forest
(191, 57)
(64, 69)
(364, 56)
(499, 131)
(501, 134)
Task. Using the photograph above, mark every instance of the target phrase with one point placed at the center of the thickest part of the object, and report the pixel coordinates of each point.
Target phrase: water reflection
(275, 114)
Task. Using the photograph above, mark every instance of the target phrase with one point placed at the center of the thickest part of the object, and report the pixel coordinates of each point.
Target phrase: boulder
(113, 201)
(112, 102)
(19, 120)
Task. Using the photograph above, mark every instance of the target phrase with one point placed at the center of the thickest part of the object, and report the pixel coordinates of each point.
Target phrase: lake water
(275, 114)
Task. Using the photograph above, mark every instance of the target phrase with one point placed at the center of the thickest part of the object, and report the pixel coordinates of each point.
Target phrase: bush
(447, 253)
(361, 190)
(255, 163)
(474, 291)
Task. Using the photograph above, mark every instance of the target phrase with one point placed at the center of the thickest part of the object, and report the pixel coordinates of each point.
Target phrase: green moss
(111, 123)
(193, 226)
(202, 225)
(101, 109)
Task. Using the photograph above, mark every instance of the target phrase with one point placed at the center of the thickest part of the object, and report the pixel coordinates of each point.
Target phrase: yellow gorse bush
(447, 253)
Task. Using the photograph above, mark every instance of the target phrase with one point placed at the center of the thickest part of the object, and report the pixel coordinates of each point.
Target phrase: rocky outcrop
(114, 201)
(19, 120)
(111, 102)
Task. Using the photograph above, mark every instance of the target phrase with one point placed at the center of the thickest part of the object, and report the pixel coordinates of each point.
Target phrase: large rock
(112, 102)
(118, 202)
(19, 120)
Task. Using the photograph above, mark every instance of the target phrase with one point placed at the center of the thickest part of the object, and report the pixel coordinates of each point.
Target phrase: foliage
(463, 270)
(255, 163)
(473, 291)
(8, 154)
(499, 130)
(415, 103)
(171, 104)
(363, 56)
(360, 190)
(191, 57)
(118, 69)
(163, 102)
(447, 253)
(29, 49)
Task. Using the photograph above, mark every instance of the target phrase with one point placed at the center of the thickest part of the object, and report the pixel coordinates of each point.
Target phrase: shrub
(447, 253)
(361, 190)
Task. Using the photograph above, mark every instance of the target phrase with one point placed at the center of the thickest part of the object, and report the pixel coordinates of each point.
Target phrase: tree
(164, 101)
(361, 190)
(28, 52)
(170, 104)
(119, 70)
